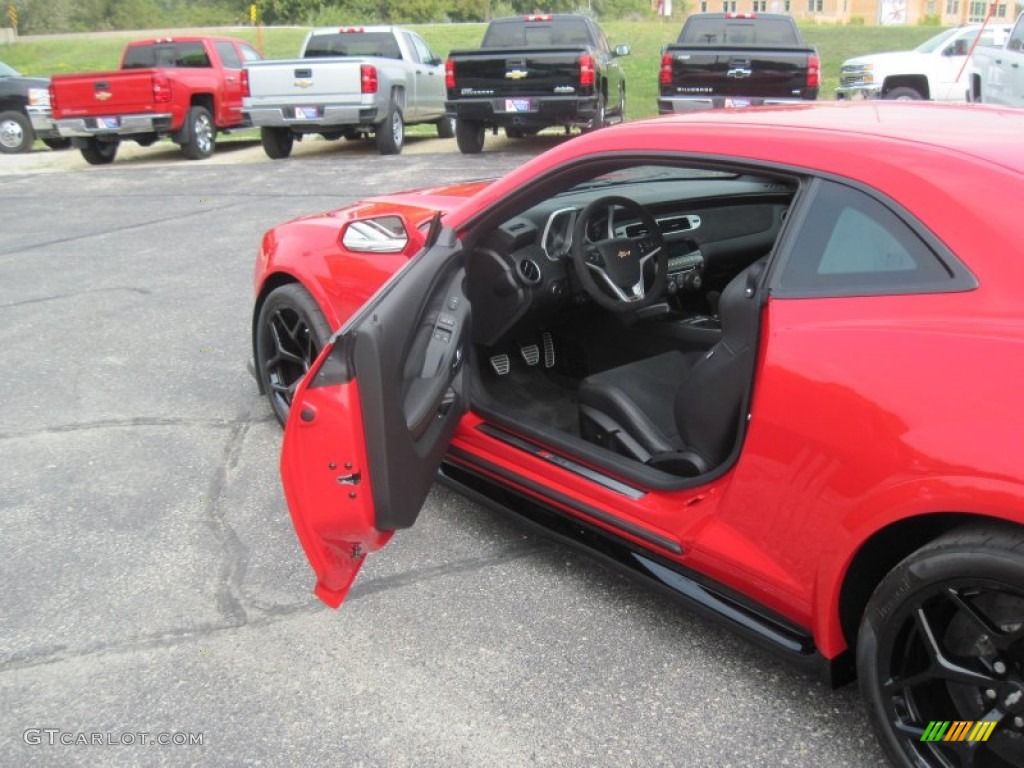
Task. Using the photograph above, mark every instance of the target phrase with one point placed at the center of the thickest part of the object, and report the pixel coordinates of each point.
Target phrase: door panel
(372, 420)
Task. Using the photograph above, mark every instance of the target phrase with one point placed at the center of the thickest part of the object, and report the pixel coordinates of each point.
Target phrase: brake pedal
(549, 349)
(501, 364)
(530, 353)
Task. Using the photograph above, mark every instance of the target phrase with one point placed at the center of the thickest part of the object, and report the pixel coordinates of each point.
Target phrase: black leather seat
(674, 412)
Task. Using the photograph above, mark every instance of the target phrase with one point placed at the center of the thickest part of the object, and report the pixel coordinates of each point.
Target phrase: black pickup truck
(533, 72)
(25, 113)
(737, 60)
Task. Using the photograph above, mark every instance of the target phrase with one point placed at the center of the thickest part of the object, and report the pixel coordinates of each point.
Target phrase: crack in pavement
(271, 615)
(137, 421)
(73, 294)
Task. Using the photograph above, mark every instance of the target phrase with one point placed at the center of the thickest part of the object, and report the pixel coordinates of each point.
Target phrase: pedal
(501, 364)
(530, 353)
(549, 349)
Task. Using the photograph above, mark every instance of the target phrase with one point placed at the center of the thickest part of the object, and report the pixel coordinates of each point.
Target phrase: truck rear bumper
(114, 125)
(289, 116)
(683, 104)
(529, 111)
(42, 122)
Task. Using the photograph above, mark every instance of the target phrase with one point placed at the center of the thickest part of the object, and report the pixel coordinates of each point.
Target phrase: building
(949, 12)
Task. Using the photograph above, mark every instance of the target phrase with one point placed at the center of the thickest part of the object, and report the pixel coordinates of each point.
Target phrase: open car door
(371, 421)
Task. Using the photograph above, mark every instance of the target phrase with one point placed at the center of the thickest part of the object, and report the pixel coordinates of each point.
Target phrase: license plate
(108, 122)
(307, 113)
(737, 102)
(518, 105)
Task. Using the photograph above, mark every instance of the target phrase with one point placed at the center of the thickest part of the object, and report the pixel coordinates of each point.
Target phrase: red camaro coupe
(770, 361)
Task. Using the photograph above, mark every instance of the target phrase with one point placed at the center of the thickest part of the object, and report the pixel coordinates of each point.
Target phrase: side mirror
(622, 50)
(384, 234)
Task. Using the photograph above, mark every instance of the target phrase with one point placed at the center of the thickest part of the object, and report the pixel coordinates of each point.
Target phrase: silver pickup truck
(348, 82)
(997, 74)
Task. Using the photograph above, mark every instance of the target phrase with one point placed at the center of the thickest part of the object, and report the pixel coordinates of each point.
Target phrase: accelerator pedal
(549, 349)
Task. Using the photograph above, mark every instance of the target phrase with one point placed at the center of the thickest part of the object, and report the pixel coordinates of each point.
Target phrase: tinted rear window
(524, 34)
(723, 31)
(191, 55)
(382, 44)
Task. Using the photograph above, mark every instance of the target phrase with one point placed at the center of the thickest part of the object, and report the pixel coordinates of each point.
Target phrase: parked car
(935, 70)
(737, 60)
(533, 72)
(25, 112)
(997, 72)
(765, 360)
(351, 82)
(184, 88)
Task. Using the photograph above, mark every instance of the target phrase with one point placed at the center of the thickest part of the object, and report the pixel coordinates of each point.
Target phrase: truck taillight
(368, 78)
(350, 30)
(161, 89)
(538, 17)
(53, 98)
(813, 71)
(665, 75)
(741, 15)
(449, 74)
(245, 83)
(586, 70)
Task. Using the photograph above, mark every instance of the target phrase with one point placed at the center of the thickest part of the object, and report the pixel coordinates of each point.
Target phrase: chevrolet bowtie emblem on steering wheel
(624, 254)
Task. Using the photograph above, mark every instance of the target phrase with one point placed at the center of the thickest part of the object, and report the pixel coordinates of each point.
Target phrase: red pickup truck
(186, 88)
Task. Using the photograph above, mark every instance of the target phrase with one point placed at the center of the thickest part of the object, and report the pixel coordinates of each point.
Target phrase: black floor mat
(530, 394)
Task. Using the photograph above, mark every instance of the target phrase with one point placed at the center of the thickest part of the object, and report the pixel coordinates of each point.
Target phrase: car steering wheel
(612, 270)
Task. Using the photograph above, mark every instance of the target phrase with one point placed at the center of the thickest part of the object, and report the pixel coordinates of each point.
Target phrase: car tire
(390, 132)
(16, 133)
(600, 116)
(290, 332)
(940, 640)
(57, 144)
(446, 127)
(903, 93)
(469, 134)
(200, 134)
(98, 152)
(277, 142)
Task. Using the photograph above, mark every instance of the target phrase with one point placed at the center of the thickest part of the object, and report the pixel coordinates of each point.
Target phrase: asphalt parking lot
(152, 582)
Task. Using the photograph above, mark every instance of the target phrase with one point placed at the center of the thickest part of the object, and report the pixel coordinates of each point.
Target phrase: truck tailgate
(119, 92)
(304, 81)
(517, 72)
(738, 71)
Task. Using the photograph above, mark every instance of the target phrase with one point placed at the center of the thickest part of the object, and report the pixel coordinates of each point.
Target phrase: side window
(228, 55)
(249, 53)
(850, 243)
(423, 52)
(1016, 37)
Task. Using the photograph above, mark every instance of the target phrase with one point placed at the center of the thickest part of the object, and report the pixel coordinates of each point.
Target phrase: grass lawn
(75, 53)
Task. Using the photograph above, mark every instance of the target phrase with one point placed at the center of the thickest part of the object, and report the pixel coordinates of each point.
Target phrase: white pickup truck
(997, 74)
(349, 82)
(934, 70)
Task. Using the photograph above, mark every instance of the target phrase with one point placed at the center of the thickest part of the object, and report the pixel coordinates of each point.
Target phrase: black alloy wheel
(940, 653)
(290, 332)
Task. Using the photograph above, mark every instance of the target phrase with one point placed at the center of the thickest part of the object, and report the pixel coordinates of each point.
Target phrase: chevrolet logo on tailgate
(516, 74)
(303, 83)
(102, 95)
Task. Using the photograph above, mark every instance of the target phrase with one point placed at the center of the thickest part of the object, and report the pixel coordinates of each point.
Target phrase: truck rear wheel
(277, 142)
(98, 152)
(469, 134)
(390, 132)
(200, 134)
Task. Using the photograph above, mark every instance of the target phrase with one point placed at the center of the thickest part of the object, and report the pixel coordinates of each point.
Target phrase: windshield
(6, 71)
(934, 43)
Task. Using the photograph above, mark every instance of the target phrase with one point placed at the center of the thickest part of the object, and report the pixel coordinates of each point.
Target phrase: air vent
(529, 271)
